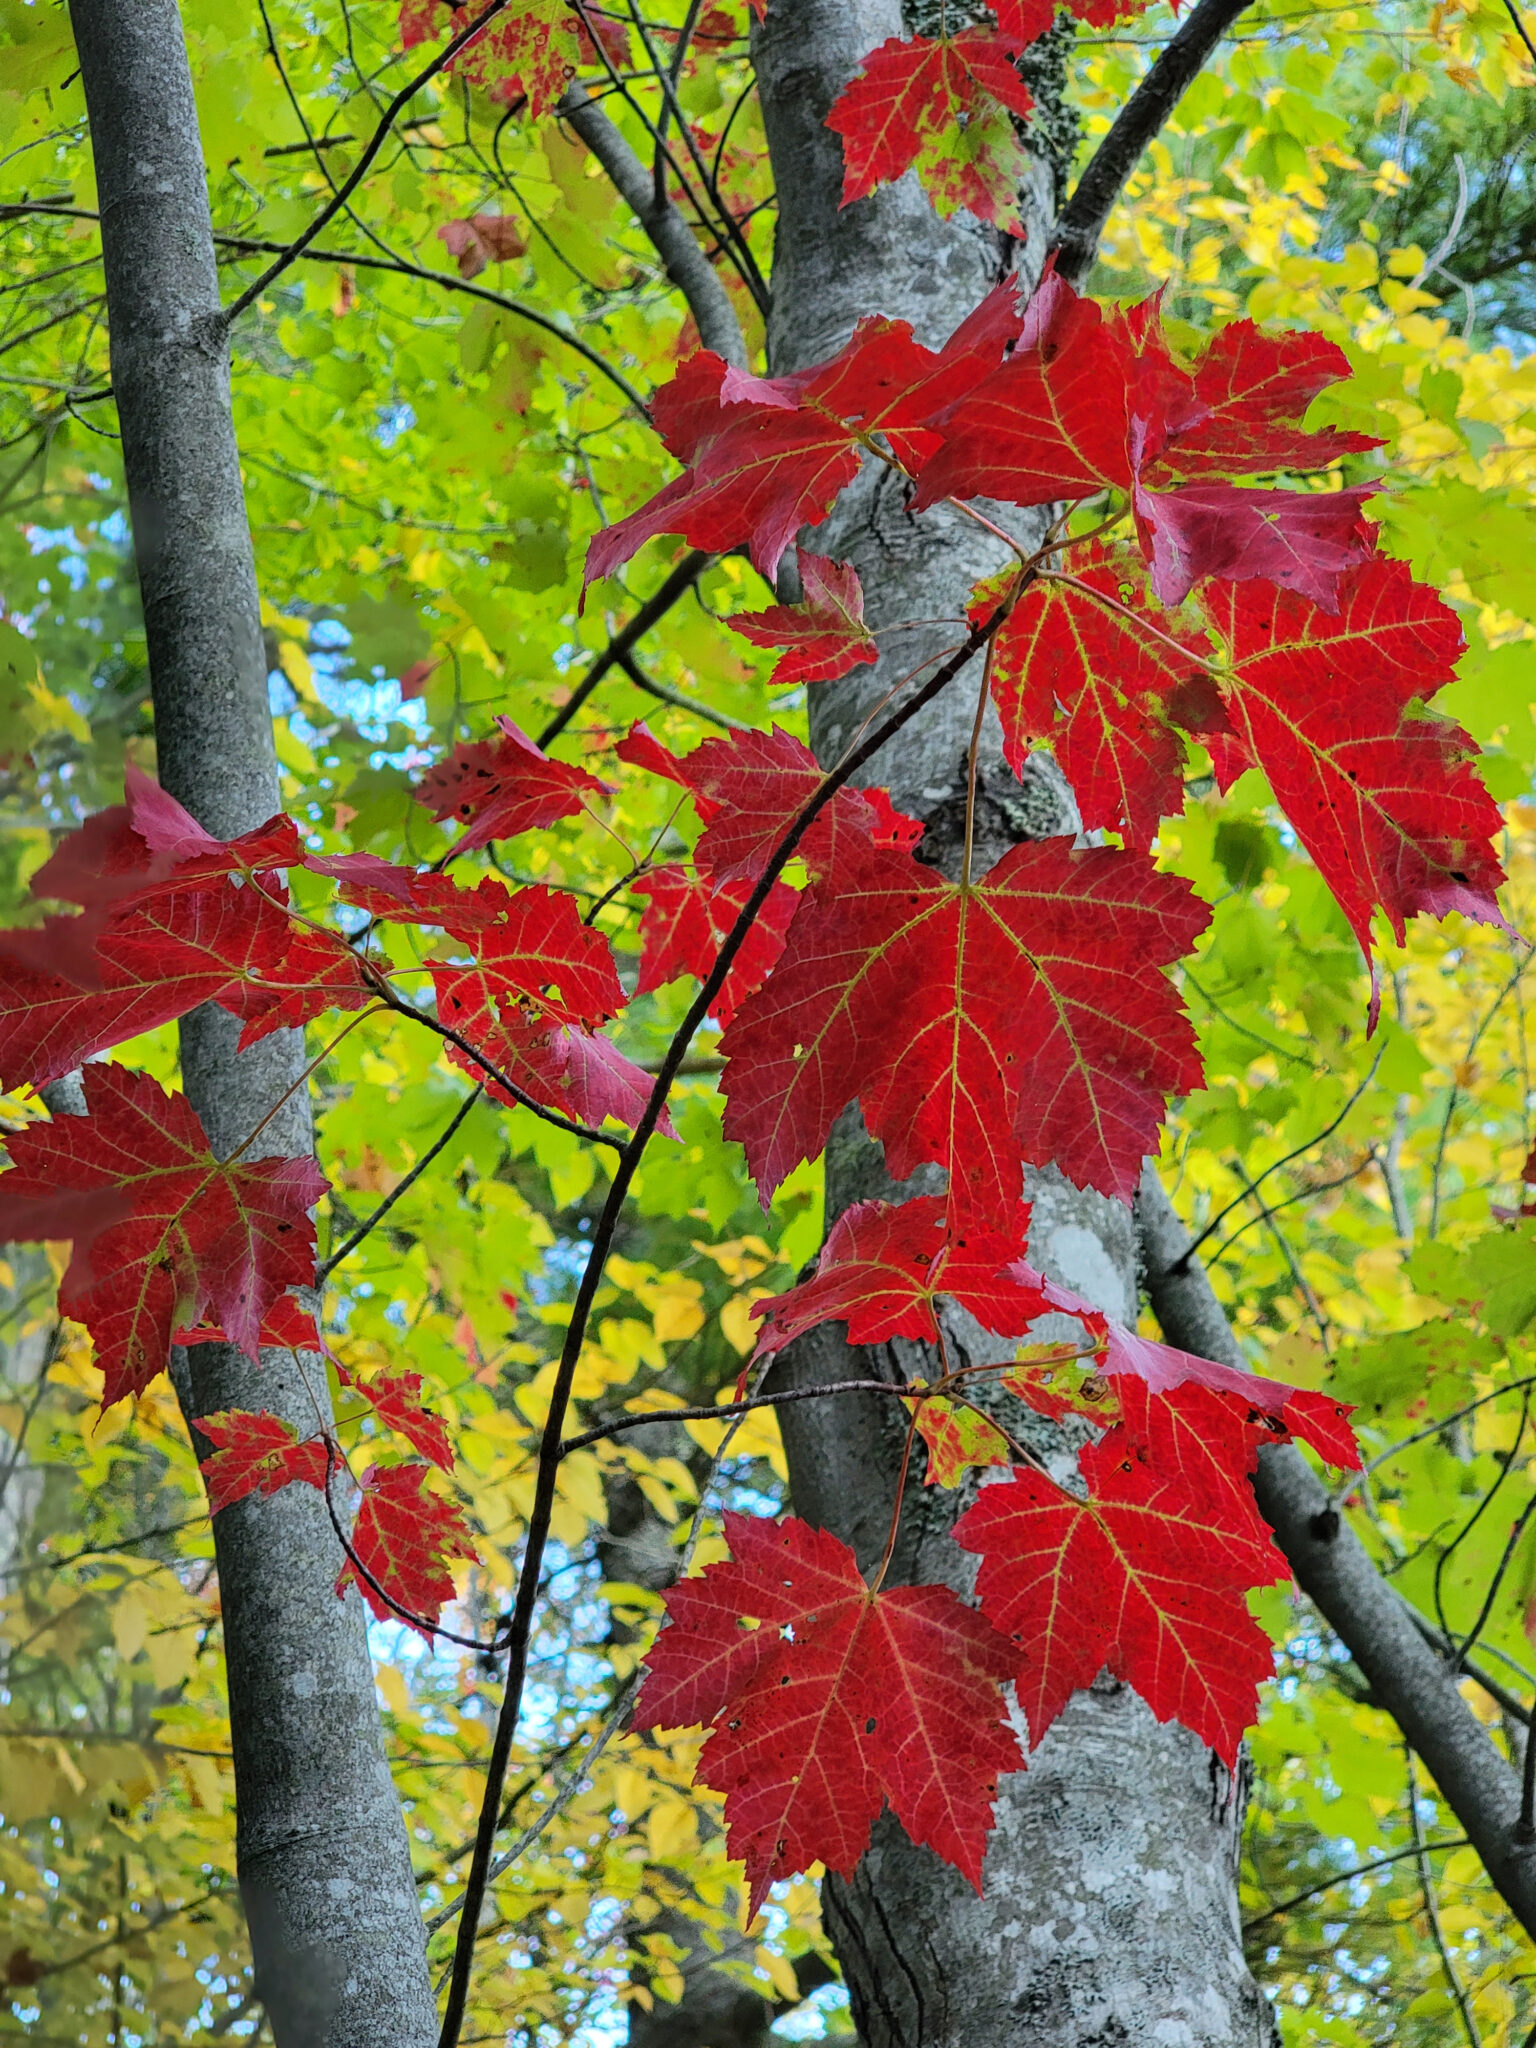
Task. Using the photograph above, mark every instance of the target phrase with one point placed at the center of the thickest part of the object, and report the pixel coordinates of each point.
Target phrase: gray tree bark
(324, 1866)
(1109, 1914)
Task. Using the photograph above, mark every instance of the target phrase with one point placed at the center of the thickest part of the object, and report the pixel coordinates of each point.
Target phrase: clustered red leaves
(985, 1023)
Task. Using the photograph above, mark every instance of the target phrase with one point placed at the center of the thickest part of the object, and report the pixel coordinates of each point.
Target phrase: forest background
(428, 444)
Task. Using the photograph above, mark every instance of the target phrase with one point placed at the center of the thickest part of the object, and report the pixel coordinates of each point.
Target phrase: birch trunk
(1110, 1912)
(325, 1872)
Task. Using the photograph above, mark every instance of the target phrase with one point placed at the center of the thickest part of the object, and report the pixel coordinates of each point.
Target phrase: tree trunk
(1110, 1910)
(324, 1866)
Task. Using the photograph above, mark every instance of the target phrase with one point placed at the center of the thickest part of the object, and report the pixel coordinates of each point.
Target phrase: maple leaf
(836, 1700)
(1142, 1577)
(959, 1438)
(767, 456)
(687, 918)
(757, 783)
(498, 788)
(1107, 683)
(155, 960)
(1091, 400)
(319, 971)
(885, 1265)
(163, 1233)
(150, 846)
(943, 105)
(529, 52)
(481, 239)
(1315, 1418)
(824, 636)
(1380, 792)
(405, 1537)
(258, 1453)
(395, 1397)
(287, 1325)
(599, 1081)
(1024, 1017)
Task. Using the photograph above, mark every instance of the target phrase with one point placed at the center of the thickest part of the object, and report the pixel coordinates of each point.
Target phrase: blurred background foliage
(434, 419)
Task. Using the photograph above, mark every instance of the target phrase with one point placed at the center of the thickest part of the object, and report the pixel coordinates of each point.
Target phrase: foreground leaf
(827, 1699)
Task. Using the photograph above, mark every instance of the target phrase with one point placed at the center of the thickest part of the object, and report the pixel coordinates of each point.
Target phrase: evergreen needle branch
(371, 1223)
(343, 192)
(520, 1630)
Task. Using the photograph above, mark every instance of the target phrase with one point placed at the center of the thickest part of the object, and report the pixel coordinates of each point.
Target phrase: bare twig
(371, 1223)
(1432, 1908)
(678, 583)
(1347, 1876)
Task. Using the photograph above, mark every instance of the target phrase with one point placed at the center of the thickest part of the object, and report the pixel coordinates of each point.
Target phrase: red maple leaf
(150, 846)
(287, 1325)
(825, 635)
(154, 961)
(395, 1397)
(599, 1081)
(1315, 1418)
(530, 52)
(1107, 683)
(405, 1538)
(258, 1453)
(1144, 1576)
(498, 788)
(885, 1265)
(1091, 400)
(945, 106)
(163, 1233)
(1024, 1017)
(767, 456)
(1381, 792)
(481, 239)
(827, 1699)
(686, 919)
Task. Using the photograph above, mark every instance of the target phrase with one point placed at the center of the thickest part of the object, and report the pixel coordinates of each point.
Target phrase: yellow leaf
(671, 1830)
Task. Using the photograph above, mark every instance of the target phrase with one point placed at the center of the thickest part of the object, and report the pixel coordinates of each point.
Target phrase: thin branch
(681, 580)
(1432, 1908)
(726, 1409)
(1082, 219)
(343, 192)
(1252, 1187)
(449, 282)
(1521, 31)
(686, 264)
(1347, 1876)
(371, 1223)
(667, 695)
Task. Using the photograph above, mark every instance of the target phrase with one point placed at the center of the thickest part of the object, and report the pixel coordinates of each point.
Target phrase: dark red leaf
(1024, 1018)
(884, 1266)
(944, 105)
(827, 1699)
(685, 921)
(406, 1538)
(498, 788)
(258, 1453)
(824, 636)
(164, 1235)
